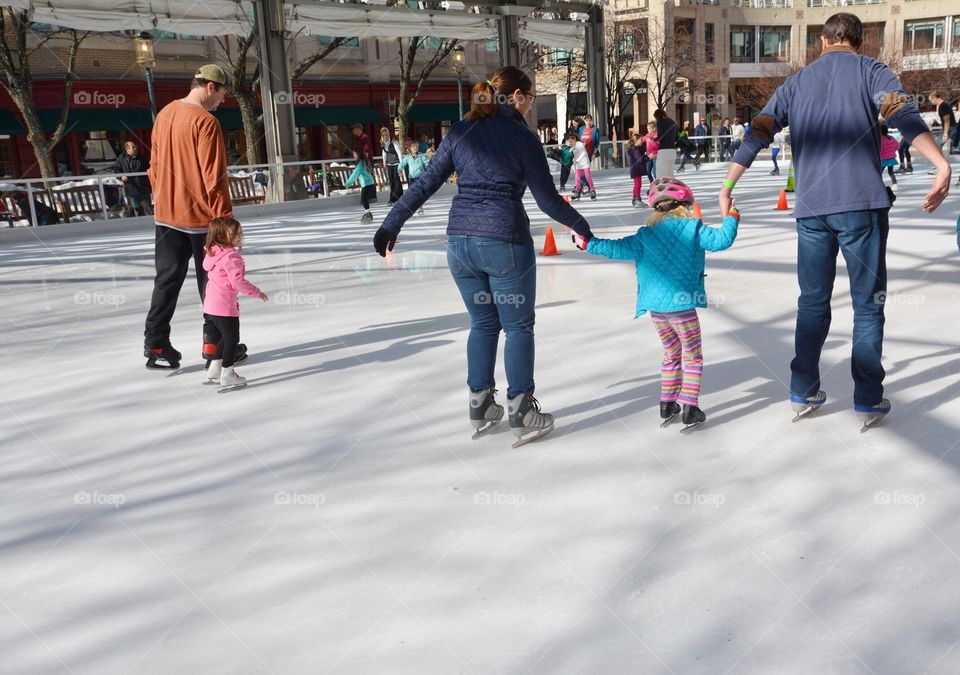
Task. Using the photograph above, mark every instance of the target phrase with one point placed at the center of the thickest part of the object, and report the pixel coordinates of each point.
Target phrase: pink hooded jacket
(888, 147)
(225, 278)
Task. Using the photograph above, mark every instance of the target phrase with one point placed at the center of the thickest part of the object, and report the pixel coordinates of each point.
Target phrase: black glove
(384, 241)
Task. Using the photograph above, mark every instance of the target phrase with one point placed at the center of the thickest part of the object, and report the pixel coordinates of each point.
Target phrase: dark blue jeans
(498, 282)
(862, 238)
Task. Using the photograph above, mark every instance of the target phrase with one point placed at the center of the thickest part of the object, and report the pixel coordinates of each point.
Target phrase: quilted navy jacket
(670, 260)
(496, 159)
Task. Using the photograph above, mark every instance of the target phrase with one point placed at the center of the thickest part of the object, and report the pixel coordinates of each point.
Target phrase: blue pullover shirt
(831, 107)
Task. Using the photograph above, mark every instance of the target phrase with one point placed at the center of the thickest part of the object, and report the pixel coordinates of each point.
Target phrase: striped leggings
(682, 364)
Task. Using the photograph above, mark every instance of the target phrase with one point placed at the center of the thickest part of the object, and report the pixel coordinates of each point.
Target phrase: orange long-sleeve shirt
(188, 167)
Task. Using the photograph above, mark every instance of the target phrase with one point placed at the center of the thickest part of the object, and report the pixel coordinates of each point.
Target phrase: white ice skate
(805, 406)
(526, 420)
(485, 412)
(212, 374)
(871, 415)
(230, 379)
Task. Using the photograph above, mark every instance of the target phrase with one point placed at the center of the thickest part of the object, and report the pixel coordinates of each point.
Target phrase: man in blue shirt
(831, 107)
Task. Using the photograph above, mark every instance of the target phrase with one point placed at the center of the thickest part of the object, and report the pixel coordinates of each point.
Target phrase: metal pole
(153, 103)
(460, 93)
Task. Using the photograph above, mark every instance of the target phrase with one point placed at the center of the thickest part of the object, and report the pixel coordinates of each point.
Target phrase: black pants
(229, 327)
(564, 176)
(701, 152)
(367, 195)
(172, 253)
(396, 187)
(904, 152)
(890, 173)
(684, 157)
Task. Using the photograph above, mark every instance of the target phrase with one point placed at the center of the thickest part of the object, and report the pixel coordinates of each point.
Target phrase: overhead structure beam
(596, 82)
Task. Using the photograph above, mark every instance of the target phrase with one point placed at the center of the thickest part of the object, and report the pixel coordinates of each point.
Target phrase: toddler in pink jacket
(225, 278)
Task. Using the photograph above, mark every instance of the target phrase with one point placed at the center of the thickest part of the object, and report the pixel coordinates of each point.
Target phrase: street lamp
(459, 66)
(143, 45)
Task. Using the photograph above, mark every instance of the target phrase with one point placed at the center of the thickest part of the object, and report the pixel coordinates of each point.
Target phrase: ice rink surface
(335, 517)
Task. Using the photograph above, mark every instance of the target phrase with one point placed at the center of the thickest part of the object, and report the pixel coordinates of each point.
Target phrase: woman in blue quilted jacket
(489, 246)
(669, 256)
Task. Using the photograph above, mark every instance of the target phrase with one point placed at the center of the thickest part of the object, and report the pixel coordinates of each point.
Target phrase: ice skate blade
(535, 436)
(484, 430)
(689, 427)
(152, 364)
(804, 412)
(231, 387)
(871, 422)
(668, 420)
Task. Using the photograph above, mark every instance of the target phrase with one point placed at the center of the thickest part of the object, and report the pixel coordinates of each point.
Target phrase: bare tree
(412, 84)
(246, 86)
(16, 76)
(671, 63)
(622, 60)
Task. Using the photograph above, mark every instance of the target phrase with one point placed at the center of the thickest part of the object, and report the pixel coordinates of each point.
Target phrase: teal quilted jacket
(670, 260)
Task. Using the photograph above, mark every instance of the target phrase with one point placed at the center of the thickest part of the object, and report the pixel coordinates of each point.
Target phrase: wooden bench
(83, 200)
(243, 190)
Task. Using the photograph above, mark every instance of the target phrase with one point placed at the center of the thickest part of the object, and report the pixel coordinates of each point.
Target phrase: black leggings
(904, 152)
(564, 176)
(892, 177)
(367, 195)
(229, 338)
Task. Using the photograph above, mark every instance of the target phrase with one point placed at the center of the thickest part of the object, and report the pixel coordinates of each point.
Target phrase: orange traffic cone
(697, 213)
(550, 244)
(782, 204)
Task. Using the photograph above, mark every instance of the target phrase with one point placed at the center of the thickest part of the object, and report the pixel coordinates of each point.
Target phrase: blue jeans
(862, 237)
(498, 282)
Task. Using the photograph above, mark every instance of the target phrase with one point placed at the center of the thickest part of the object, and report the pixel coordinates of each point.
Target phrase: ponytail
(486, 96)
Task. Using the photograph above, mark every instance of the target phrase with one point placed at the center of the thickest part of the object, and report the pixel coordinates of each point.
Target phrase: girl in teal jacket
(368, 186)
(669, 255)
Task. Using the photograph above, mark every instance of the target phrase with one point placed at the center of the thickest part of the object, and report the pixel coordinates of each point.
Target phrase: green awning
(230, 118)
(9, 124)
(434, 112)
(331, 116)
(98, 119)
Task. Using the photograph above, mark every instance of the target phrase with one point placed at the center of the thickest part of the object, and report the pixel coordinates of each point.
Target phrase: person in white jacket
(581, 163)
(392, 154)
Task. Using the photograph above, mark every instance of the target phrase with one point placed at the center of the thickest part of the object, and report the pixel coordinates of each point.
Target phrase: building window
(774, 44)
(709, 47)
(347, 42)
(6, 157)
(559, 57)
(491, 45)
(169, 35)
(625, 44)
(743, 48)
(955, 43)
(923, 35)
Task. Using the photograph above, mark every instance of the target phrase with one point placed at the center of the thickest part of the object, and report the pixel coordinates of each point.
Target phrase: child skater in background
(888, 154)
(775, 149)
(637, 156)
(566, 159)
(368, 186)
(415, 164)
(581, 163)
(225, 278)
(668, 252)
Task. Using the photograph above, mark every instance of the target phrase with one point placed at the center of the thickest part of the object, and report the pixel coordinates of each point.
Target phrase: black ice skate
(485, 412)
(164, 357)
(209, 352)
(593, 194)
(692, 417)
(526, 420)
(668, 412)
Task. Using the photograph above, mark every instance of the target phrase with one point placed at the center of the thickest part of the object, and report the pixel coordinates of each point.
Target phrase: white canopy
(234, 17)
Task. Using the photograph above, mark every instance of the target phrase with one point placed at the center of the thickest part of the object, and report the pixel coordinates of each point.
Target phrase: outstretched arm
(628, 248)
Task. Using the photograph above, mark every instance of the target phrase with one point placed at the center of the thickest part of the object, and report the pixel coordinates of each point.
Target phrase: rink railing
(101, 196)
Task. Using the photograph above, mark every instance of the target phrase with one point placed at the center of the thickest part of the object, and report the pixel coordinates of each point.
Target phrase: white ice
(335, 517)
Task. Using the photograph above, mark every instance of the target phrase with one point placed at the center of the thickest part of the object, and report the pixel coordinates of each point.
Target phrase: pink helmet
(669, 189)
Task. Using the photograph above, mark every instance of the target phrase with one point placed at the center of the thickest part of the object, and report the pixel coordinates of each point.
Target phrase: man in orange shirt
(188, 172)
